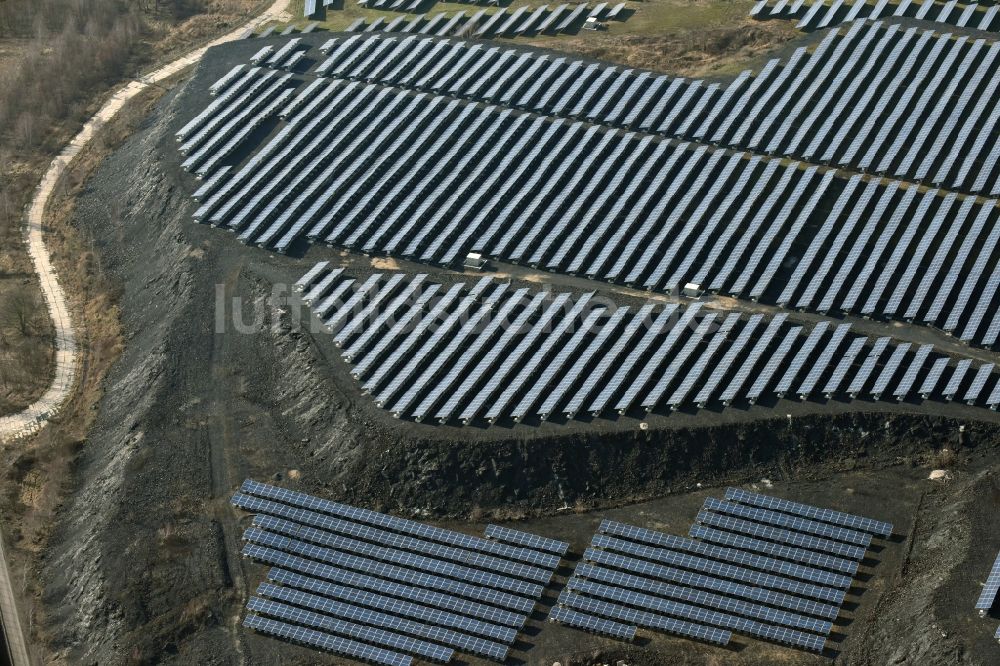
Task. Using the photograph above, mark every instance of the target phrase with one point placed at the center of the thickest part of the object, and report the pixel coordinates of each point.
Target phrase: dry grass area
(59, 60)
(684, 37)
(37, 471)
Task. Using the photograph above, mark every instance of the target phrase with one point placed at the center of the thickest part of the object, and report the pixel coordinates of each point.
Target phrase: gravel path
(31, 420)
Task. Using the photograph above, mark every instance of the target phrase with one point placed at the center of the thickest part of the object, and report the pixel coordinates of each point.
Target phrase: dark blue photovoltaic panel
(322, 640)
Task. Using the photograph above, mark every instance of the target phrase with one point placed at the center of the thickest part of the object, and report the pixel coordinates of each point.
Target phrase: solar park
(483, 351)
(387, 590)
(853, 179)
(752, 564)
(620, 175)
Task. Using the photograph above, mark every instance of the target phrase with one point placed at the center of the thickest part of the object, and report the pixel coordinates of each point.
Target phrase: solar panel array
(609, 199)
(378, 588)
(488, 351)
(814, 14)
(722, 581)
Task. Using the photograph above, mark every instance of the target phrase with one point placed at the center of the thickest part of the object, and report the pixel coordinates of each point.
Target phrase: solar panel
(807, 557)
(780, 535)
(700, 597)
(389, 539)
(505, 635)
(532, 541)
(590, 623)
(644, 618)
(788, 521)
(691, 579)
(989, 593)
(805, 351)
(724, 620)
(933, 377)
(889, 370)
(401, 573)
(978, 383)
(862, 375)
(319, 639)
(384, 588)
(774, 362)
(955, 381)
(848, 520)
(678, 557)
(368, 634)
(366, 616)
(401, 525)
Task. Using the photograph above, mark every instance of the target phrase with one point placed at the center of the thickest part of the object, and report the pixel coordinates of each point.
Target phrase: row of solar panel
(721, 199)
(397, 587)
(493, 352)
(823, 14)
(757, 112)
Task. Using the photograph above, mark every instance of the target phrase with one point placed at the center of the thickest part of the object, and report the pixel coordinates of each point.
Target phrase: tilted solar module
(818, 587)
(912, 371)
(743, 542)
(754, 628)
(789, 537)
(831, 516)
(532, 541)
(933, 377)
(353, 613)
(780, 519)
(502, 634)
(800, 358)
(379, 637)
(390, 539)
(889, 370)
(700, 597)
(644, 618)
(329, 642)
(989, 593)
(384, 588)
(402, 574)
(401, 525)
(692, 579)
(774, 362)
(978, 383)
(866, 369)
(597, 625)
(957, 376)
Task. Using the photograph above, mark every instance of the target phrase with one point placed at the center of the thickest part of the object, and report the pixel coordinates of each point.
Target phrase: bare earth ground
(142, 563)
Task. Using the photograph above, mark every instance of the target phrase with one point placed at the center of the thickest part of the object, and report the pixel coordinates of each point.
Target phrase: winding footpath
(32, 419)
